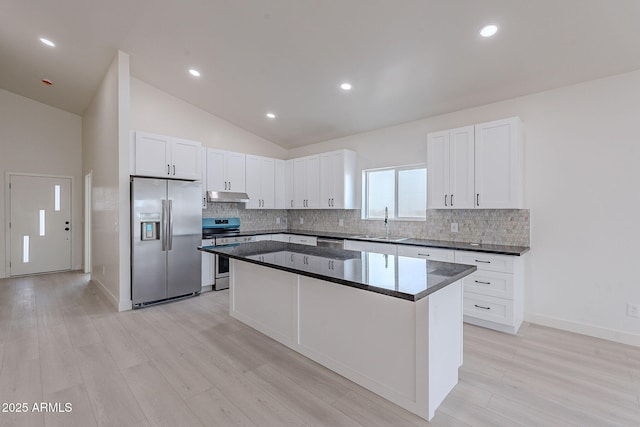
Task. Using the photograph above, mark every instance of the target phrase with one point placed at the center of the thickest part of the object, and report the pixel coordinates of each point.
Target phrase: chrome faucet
(386, 221)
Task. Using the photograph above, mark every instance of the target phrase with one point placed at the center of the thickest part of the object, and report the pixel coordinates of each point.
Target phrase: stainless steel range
(221, 232)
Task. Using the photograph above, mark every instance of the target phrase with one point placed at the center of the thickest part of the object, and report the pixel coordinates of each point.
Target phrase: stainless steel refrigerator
(166, 229)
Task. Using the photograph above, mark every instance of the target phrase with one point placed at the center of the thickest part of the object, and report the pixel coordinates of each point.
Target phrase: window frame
(397, 170)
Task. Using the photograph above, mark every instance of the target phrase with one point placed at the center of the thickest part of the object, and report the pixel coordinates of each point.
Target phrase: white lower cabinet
(302, 240)
(208, 267)
(493, 295)
(365, 246)
(431, 254)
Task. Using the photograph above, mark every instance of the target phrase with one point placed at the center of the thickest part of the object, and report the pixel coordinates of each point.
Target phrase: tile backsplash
(490, 226)
(250, 219)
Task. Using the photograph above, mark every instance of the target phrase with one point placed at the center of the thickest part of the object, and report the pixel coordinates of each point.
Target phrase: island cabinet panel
(366, 332)
(265, 299)
(407, 352)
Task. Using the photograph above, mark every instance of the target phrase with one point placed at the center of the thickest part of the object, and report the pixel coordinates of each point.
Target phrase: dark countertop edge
(375, 289)
(440, 244)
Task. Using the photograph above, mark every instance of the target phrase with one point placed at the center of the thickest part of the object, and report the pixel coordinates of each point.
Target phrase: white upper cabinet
(498, 164)
(166, 157)
(450, 157)
(280, 201)
(306, 182)
(337, 179)
(475, 167)
(225, 171)
(289, 194)
(260, 182)
(203, 176)
(438, 170)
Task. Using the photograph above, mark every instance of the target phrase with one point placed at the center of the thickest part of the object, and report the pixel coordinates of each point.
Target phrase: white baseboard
(2, 274)
(125, 306)
(108, 295)
(584, 329)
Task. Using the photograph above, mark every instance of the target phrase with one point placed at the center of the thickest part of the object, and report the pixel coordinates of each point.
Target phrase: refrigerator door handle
(163, 226)
(170, 231)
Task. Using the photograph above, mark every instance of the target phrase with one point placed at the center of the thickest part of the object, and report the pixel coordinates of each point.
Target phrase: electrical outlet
(633, 310)
(454, 227)
(341, 222)
(301, 220)
(278, 220)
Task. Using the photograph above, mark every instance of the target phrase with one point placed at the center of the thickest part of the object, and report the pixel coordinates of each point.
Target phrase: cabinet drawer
(303, 240)
(432, 254)
(490, 283)
(489, 262)
(493, 309)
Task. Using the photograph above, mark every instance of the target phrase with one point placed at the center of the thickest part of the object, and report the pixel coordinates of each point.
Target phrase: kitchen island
(392, 324)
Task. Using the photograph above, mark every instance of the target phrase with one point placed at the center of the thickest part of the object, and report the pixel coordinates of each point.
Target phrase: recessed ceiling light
(194, 73)
(47, 42)
(489, 30)
(271, 116)
(345, 86)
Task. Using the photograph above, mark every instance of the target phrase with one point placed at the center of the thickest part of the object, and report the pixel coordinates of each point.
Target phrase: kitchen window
(402, 190)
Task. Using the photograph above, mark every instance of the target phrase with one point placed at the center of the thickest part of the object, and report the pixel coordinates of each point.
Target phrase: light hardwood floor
(189, 364)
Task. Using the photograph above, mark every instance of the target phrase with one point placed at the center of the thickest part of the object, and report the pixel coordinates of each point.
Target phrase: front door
(39, 224)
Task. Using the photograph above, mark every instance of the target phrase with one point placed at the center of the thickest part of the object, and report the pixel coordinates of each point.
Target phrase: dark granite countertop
(461, 246)
(397, 276)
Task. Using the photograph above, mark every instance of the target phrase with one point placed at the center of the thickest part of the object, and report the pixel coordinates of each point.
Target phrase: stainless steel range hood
(227, 196)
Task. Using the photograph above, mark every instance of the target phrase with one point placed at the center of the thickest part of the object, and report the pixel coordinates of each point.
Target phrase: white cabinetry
(306, 182)
(431, 254)
(260, 182)
(476, 166)
(365, 246)
(337, 179)
(225, 171)
(498, 164)
(493, 295)
(203, 176)
(302, 240)
(450, 160)
(165, 157)
(280, 201)
(289, 194)
(208, 267)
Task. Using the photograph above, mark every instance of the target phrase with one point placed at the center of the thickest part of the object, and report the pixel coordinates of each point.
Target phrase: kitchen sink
(382, 238)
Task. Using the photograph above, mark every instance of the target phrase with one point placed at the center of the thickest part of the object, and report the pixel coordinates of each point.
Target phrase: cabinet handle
(482, 283)
(291, 203)
(479, 306)
(332, 205)
(423, 254)
(478, 199)
(484, 262)
(174, 170)
(452, 200)
(329, 202)
(445, 200)
(168, 169)
(229, 185)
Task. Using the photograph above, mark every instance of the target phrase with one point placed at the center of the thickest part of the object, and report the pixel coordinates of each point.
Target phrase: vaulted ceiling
(405, 59)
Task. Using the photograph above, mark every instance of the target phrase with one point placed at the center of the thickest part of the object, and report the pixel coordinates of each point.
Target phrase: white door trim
(88, 201)
(7, 213)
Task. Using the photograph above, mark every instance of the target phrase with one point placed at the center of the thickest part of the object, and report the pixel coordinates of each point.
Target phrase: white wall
(38, 139)
(155, 111)
(582, 179)
(105, 154)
